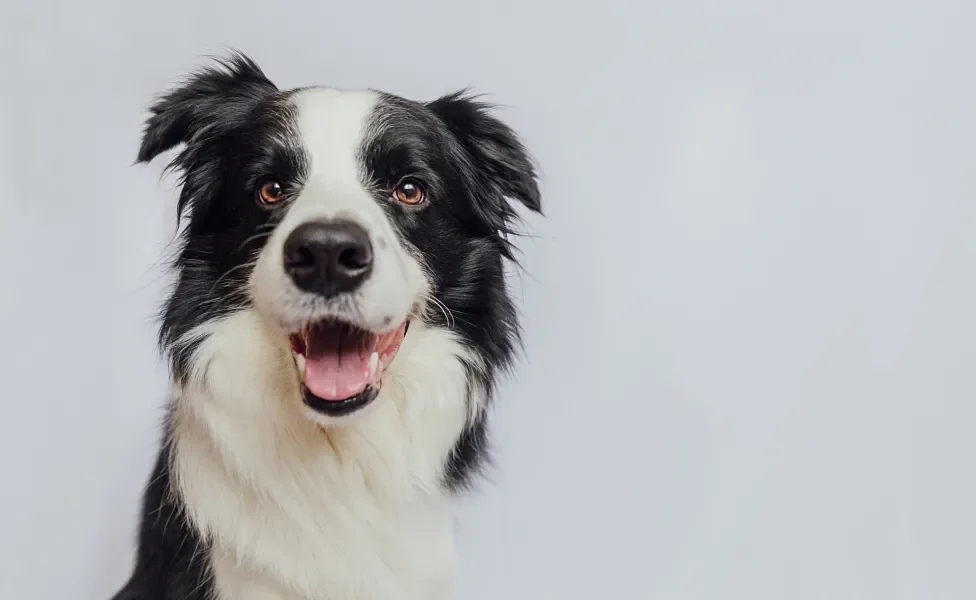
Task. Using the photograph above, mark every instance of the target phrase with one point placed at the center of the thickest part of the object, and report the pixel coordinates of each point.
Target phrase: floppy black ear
(494, 148)
(216, 98)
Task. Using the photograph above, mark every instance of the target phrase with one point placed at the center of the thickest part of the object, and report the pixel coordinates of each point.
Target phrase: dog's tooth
(374, 361)
(300, 361)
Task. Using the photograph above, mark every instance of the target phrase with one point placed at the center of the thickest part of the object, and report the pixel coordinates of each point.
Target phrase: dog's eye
(410, 191)
(270, 192)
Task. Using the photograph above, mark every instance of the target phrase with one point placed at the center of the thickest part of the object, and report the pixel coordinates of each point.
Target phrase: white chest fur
(295, 511)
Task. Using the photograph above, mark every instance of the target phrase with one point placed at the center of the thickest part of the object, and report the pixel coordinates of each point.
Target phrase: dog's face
(341, 217)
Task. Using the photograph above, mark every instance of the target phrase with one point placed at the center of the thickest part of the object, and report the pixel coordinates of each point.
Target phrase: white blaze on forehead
(332, 125)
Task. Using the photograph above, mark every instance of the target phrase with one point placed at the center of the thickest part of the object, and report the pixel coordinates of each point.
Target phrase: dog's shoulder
(171, 561)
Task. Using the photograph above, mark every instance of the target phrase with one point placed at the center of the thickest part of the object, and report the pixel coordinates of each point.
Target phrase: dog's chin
(337, 409)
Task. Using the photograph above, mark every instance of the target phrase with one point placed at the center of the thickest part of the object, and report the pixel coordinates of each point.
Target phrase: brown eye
(410, 192)
(270, 192)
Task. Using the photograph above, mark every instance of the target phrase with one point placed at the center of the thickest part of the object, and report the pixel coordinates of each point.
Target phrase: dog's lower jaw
(290, 515)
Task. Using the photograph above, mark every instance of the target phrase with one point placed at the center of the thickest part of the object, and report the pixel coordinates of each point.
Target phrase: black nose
(328, 258)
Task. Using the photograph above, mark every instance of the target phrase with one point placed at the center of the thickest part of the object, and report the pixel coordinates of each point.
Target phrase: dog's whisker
(248, 265)
(254, 237)
(448, 314)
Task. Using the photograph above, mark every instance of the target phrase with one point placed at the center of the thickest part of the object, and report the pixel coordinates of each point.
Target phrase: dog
(338, 323)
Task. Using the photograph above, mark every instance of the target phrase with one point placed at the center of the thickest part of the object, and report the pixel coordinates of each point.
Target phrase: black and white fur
(254, 495)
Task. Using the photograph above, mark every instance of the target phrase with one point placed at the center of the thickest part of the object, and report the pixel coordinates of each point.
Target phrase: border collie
(339, 319)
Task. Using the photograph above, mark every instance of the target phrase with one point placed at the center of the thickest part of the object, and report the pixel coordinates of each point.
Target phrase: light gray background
(749, 314)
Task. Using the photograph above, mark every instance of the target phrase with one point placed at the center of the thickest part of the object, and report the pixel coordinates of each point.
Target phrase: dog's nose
(328, 258)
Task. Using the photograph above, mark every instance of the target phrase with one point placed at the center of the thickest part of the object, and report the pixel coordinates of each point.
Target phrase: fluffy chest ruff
(292, 510)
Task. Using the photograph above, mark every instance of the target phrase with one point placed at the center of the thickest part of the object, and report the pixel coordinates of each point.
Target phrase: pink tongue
(336, 366)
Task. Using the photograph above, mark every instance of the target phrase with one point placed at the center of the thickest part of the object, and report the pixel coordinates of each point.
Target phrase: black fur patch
(472, 166)
(232, 123)
(171, 562)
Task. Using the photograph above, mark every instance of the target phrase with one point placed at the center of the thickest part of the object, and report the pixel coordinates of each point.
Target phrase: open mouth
(342, 365)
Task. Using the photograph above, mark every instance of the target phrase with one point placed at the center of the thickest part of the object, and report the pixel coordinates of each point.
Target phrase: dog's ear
(494, 148)
(215, 99)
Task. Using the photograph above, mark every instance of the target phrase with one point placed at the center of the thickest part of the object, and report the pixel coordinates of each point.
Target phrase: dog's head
(342, 218)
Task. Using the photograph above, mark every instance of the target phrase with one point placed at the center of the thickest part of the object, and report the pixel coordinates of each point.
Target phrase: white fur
(297, 511)
(331, 126)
